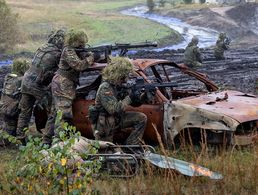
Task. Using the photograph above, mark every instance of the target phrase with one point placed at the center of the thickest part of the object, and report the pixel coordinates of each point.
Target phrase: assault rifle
(123, 47)
(227, 41)
(138, 87)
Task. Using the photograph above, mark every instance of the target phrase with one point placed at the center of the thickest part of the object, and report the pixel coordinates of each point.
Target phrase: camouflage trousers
(194, 64)
(107, 127)
(10, 124)
(59, 104)
(219, 55)
(26, 106)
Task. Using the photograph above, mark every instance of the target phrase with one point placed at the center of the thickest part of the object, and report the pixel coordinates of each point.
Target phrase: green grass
(239, 168)
(101, 19)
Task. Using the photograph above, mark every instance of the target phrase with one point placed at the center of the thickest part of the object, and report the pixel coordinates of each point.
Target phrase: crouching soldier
(222, 44)
(192, 55)
(11, 95)
(110, 105)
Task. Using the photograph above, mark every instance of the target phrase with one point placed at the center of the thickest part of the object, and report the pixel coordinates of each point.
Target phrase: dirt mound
(243, 13)
(240, 22)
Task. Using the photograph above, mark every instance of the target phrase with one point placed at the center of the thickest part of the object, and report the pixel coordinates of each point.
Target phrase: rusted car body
(200, 111)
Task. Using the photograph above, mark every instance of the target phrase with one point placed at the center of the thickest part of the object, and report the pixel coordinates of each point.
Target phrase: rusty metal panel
(154, 114)
(80, 119)
(237, 105)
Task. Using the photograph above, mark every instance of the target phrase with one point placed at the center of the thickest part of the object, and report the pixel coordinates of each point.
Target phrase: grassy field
(238, 166)
(100, 18)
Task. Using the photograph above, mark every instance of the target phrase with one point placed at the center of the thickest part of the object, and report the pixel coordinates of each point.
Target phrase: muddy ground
(240, 69)
(240, 22)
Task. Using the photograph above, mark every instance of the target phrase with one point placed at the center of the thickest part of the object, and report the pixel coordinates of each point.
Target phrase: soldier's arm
(198, 54)
(110, 102)
(76, 63)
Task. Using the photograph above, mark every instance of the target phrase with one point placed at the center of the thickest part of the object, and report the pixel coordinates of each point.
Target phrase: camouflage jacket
(71, 64)
(107, 99)
(192, 54)
(10, 95)
(220, 48)
(41, 72)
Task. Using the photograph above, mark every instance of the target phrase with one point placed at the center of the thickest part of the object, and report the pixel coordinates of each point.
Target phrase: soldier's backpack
(10, 95)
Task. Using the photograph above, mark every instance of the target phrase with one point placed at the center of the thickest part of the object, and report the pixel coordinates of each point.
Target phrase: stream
(207, 37)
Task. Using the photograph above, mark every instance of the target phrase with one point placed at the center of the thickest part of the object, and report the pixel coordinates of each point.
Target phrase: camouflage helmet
(195, 40)
(57, 38)
(222, 35)
(76, 38)
(20, 66)
(118, 68)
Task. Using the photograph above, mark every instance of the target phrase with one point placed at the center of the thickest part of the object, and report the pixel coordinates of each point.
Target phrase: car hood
(237, 105)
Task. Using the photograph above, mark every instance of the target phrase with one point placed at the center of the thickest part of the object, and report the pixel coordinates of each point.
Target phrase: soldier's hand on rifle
(136, 97)
(98, 57)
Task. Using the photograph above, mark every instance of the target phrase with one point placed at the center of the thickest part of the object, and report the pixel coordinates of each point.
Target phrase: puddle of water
(207, 37)
(6, 62)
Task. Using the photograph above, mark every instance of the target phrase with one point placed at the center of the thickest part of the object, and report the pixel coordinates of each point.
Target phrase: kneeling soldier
(111, 105)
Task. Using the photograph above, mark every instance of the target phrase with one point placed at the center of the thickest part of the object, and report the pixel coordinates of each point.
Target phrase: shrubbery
(150, 5)
(9, 34)
(188, 1)
(41, 170)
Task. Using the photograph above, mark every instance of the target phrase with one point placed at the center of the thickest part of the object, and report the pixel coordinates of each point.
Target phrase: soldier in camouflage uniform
(111, 106)
(192, 55)
(35, 85)
(11, 95)
(67, 78)
(221, 46)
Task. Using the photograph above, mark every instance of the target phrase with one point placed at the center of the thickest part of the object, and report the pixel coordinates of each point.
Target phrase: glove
(99, 57)
(135, 94)
(135, 97)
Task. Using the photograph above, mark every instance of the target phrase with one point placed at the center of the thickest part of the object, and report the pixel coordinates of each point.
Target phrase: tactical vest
(45, 63)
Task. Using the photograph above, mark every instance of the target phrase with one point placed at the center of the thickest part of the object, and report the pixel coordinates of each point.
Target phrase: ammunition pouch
(9, 106)
(69, 74)
(43, 77)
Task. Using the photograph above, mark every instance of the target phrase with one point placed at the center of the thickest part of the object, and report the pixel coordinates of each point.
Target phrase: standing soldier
(11, 95)
(222, 44)
(67, 78)
(111, 106)
(192, 55)
(35, 84)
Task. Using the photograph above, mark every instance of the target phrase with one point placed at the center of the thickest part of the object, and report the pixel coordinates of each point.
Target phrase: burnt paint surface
(237, 105)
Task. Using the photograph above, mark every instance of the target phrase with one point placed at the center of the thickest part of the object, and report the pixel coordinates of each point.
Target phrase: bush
(150, 5)
(42, 170)
(8, 28)
(162, 3)
(188, 1)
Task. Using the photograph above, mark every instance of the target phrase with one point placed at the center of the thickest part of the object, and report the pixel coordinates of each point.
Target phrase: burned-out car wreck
(193, 110)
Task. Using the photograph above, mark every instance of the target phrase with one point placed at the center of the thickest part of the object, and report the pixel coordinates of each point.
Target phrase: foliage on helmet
(76, 38)
(117, 69)
(57, 38)
(195, 40)
(20, 66)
